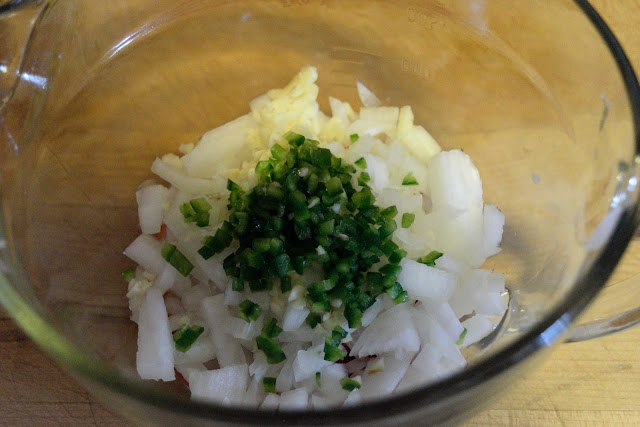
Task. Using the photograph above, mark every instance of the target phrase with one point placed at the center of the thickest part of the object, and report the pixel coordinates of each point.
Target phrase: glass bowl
(539, 94)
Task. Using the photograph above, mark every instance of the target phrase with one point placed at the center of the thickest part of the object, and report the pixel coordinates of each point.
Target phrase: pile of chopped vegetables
(300, 260)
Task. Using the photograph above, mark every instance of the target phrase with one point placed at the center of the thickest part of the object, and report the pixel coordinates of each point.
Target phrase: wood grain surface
(590, 383)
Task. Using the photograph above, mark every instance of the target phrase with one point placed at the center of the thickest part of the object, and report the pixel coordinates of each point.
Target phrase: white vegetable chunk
(145, 251)
(220, 149)
(367, 97)
(192, 298)
(415, 138)
(413, 378)
(173, 304)
(154, 359)
(440, 339)
(285, 378)
(445, 316)
(294, 317)
(353, 399)
(331, 389)
(378, 171)
(318, 402)
(255, 394)
(424, 282)
(492, 227)
(308, 362)
(190, 241)
(480, 291)
(271, 401)
(151, 200)
(383, 383)
(381, 114)
(243, 330)
(188, 184)
(340, 110)
(454, 266)
(462, 236)
(432, 334)
(201, 351)
(189, 368)
(220, 385)
(454, 182)
(232, 297)
(259, 365)
(297, 398)
(384, 117)
(166, 279)
(303, 334)
(478, 327)
(229, 351)
(392, 331)
(428, 362)
(371, 313)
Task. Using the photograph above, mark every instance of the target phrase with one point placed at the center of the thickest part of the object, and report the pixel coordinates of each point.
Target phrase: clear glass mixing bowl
(539, 93)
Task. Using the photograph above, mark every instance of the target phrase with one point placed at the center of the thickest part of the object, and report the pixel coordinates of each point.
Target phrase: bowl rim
(546, 332)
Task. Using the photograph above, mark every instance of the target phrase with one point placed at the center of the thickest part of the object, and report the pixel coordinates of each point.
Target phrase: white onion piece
(424, 282)
(427, 362)
(384, 117)
(294, 317)
(201, 351)
(303, 334)
(151, 201)
(445, 316)
(189, 368)
(154, 360)
(340, 110)
(318, 402)
(492, 228)
(229, 351)
(378, 171)
(271, 401)
(331, 389)
(259, 367)
(367, 97)
(255, 394)
(414, 378)
(166, 279)
(241, 329)
(454, 182)
(285, 378)
(298, 398)
(353, 399)
(173, 304)
(393, 330)
(478, 327)
(186, 183)
(224, 385)
(308, 362)
(232, 297)
(371, 313)
(415, 138)
(145, 251)
(219, 149)
(448, 263)
(193, 297)
(384, 382)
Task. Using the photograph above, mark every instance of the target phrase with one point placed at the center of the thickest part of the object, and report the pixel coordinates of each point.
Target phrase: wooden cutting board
(590, 383)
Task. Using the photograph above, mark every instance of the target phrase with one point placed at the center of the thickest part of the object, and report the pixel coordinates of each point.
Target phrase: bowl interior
(539, 106)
